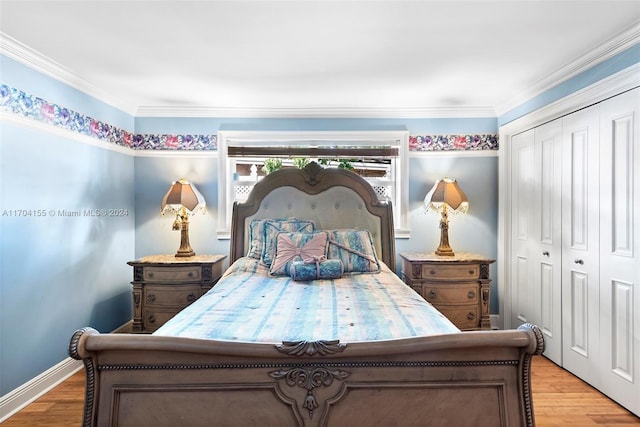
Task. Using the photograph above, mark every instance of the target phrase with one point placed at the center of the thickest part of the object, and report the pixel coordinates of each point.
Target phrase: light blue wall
(59, 273)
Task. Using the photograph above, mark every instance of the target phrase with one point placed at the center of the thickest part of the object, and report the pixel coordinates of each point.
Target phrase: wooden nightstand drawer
(450, 272)
(464, 317)
(172, 274)
(458, 286)
(163, 285)
(451, 294)
(155, 317)
(171, 295)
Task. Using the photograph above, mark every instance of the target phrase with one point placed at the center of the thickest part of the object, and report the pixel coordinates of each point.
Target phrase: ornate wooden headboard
(332, 198)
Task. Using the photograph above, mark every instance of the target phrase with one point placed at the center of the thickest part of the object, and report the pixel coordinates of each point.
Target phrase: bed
(309, 327)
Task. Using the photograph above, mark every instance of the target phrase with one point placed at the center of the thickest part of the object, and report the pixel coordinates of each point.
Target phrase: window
(246, 157)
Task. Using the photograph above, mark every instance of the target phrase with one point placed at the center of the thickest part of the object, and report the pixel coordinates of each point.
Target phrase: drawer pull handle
(471, 316)
(471, 294)
(432, 293)
(190, 274)
(579, 261)
(472, 271)
(151, 318)
(432, 272)
(150, 274)
(191, 297)
(151, 297)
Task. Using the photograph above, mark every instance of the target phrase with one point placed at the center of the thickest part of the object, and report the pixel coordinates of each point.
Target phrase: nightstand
(164, 284)
(458, 286)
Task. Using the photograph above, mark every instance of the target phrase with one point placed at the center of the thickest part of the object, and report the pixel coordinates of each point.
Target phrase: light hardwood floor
(559, 399)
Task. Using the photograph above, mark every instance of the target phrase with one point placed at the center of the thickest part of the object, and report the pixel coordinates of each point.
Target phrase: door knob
(579, 261)
(545, 253)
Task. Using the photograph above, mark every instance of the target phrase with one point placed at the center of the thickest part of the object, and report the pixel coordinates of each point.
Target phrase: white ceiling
(353, 57)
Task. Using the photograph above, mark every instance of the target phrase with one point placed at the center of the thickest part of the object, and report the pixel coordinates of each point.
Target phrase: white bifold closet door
(575, 242)
(620, 249)
(536, 233)
(601, 246)
(580, 242)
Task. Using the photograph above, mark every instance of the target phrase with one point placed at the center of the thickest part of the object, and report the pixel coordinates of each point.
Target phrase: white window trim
(226, 138)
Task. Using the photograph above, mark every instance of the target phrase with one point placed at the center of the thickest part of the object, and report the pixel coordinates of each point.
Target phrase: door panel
(580, 239)
(536, 236)
(620, 249)
(547, 255)
(521, 213)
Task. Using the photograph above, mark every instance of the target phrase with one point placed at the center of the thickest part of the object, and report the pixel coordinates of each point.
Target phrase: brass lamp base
(185, 247)
(185, 254)
(444, 249)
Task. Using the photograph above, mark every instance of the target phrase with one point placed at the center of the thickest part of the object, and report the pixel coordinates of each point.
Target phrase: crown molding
(607, 50)
(20, 52)
(310, 112)
(622, 81)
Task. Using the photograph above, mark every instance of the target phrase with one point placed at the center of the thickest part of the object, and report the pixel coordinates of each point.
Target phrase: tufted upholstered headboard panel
(332, 198)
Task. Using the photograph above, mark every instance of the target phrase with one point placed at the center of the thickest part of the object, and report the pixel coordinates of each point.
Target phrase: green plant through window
(274, 164)
(271, 165)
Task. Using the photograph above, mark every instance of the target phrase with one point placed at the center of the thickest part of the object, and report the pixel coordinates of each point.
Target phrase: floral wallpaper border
(453, 142)
(18, 102)
(15, 101)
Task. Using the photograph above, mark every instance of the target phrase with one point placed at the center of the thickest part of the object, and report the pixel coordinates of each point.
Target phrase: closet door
(580, 243)
(620, 249)
(523, 184)
(536, 233)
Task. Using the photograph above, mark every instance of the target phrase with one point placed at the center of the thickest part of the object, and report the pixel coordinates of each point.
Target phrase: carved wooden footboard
(473, 378)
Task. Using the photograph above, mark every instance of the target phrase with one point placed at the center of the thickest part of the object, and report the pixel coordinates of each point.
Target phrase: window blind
(317, 152)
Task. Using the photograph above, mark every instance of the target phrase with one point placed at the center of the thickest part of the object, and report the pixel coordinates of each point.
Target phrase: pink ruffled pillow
(273, 227)
(257, 232)
(292, 247)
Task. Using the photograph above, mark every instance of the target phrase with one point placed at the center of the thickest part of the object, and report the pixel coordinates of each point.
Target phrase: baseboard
(20, 397)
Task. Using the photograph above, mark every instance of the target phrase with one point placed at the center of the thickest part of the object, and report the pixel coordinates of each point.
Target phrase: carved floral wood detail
(311, 348)
(309, 378)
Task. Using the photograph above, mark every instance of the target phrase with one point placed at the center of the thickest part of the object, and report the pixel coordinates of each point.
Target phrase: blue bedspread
(248, 305)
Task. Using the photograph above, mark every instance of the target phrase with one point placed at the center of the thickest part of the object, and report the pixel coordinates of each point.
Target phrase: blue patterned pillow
(355, 249)
(292, 247)
(303, 271)
(257, 236)
(273, 227)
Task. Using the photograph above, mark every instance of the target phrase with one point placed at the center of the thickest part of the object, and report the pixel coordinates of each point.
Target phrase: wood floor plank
(559, 399)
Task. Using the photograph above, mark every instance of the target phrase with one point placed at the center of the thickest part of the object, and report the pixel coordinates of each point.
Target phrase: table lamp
(445, 196)
(184, 199)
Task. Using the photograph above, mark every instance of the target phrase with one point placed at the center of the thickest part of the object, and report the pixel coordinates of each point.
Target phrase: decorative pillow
(292, 247)
(271, 230)
(257, 236)
(355, 249)
(312, 269)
